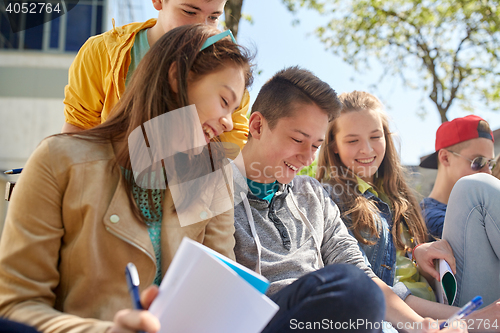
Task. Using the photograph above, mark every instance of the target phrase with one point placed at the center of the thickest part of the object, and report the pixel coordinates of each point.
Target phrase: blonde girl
(360, 168)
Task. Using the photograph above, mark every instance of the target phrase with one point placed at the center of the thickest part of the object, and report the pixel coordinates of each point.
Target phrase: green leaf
(451, 47)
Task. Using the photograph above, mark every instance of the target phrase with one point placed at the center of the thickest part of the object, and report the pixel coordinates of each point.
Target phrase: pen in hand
(132, 277)
(466, 310)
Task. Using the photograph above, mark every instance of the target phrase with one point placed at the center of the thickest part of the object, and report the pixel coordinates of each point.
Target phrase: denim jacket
(381, 255)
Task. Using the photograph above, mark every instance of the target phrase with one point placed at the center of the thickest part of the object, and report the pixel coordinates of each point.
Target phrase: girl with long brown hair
(90, 202)
(360, 168)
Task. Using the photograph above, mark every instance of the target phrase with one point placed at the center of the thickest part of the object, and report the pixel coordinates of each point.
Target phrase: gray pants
(472, 227)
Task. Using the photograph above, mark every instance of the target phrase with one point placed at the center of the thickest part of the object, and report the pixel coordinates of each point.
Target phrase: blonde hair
(389, 178)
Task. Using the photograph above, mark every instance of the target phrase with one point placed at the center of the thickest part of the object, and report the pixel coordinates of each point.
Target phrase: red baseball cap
(452, 132)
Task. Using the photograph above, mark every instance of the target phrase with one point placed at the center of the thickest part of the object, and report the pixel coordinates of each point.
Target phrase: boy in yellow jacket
(101, 69)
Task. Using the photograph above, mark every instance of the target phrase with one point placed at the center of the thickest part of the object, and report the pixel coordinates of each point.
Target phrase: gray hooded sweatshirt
(298, 232)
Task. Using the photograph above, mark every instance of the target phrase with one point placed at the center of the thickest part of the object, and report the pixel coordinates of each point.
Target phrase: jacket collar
(364, 186)
(122, 223)
(119, 42)
(241, 186)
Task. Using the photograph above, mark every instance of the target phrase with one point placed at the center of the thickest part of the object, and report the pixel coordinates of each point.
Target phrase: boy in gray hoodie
(289, 230)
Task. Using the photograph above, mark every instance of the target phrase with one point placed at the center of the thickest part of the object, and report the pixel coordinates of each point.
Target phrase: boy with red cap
(464, 146)
(463, 205)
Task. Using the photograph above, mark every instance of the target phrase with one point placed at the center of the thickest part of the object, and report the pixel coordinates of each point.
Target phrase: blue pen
(133, 286)
(466, 310)
(13, 171)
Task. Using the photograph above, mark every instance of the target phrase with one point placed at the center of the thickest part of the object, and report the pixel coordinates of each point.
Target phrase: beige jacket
(70, 232)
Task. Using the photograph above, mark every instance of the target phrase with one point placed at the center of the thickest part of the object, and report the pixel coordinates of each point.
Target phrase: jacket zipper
(133, 244)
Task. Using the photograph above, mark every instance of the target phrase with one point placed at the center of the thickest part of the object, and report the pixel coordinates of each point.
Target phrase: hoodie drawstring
(252, 228)
(304, 219)
(311, 230)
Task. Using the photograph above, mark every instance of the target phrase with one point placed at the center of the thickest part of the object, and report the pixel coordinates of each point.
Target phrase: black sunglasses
(477, 163)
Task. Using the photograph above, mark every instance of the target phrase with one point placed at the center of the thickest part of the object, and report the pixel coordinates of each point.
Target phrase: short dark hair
(279, 97)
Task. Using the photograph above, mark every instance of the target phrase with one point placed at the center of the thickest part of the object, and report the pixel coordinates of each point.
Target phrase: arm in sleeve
(434, 219)
(401, 290)
(338, 245)
(219, 232)
(85, 93)
(29, 251)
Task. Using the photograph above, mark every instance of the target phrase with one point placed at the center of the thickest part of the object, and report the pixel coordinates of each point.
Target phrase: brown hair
(286, 90)
(149, 93)
(389, 178)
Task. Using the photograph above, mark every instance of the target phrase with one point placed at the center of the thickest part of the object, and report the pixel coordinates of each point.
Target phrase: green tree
(310, 170)
(451, 46)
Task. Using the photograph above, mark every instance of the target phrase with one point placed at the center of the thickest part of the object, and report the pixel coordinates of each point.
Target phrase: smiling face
(360, 142)
(280, 153)
(216, 96)
(175, 13)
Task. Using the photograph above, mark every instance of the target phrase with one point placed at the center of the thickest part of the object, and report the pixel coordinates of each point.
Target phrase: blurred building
(421, 180)
(34, 67)
(496, 136)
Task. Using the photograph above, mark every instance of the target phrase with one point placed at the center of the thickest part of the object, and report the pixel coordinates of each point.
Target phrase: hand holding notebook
(204, 291)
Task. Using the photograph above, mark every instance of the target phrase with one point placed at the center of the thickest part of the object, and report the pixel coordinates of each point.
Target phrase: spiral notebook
(204, 291)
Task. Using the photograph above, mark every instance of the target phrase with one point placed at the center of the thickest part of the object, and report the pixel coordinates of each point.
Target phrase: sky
(279, 44)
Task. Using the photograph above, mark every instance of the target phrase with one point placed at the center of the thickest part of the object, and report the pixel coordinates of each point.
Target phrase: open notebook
(446, 289)
(204, 291)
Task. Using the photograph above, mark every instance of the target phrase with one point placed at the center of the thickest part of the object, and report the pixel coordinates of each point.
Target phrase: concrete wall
(31, 106)
(421, 180)
(3, 204)
(24, 123)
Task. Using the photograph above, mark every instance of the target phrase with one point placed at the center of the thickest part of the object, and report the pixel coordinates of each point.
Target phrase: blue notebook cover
(257, 281)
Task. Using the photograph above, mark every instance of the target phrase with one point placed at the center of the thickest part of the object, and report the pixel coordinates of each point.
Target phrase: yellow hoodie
(96, 81)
